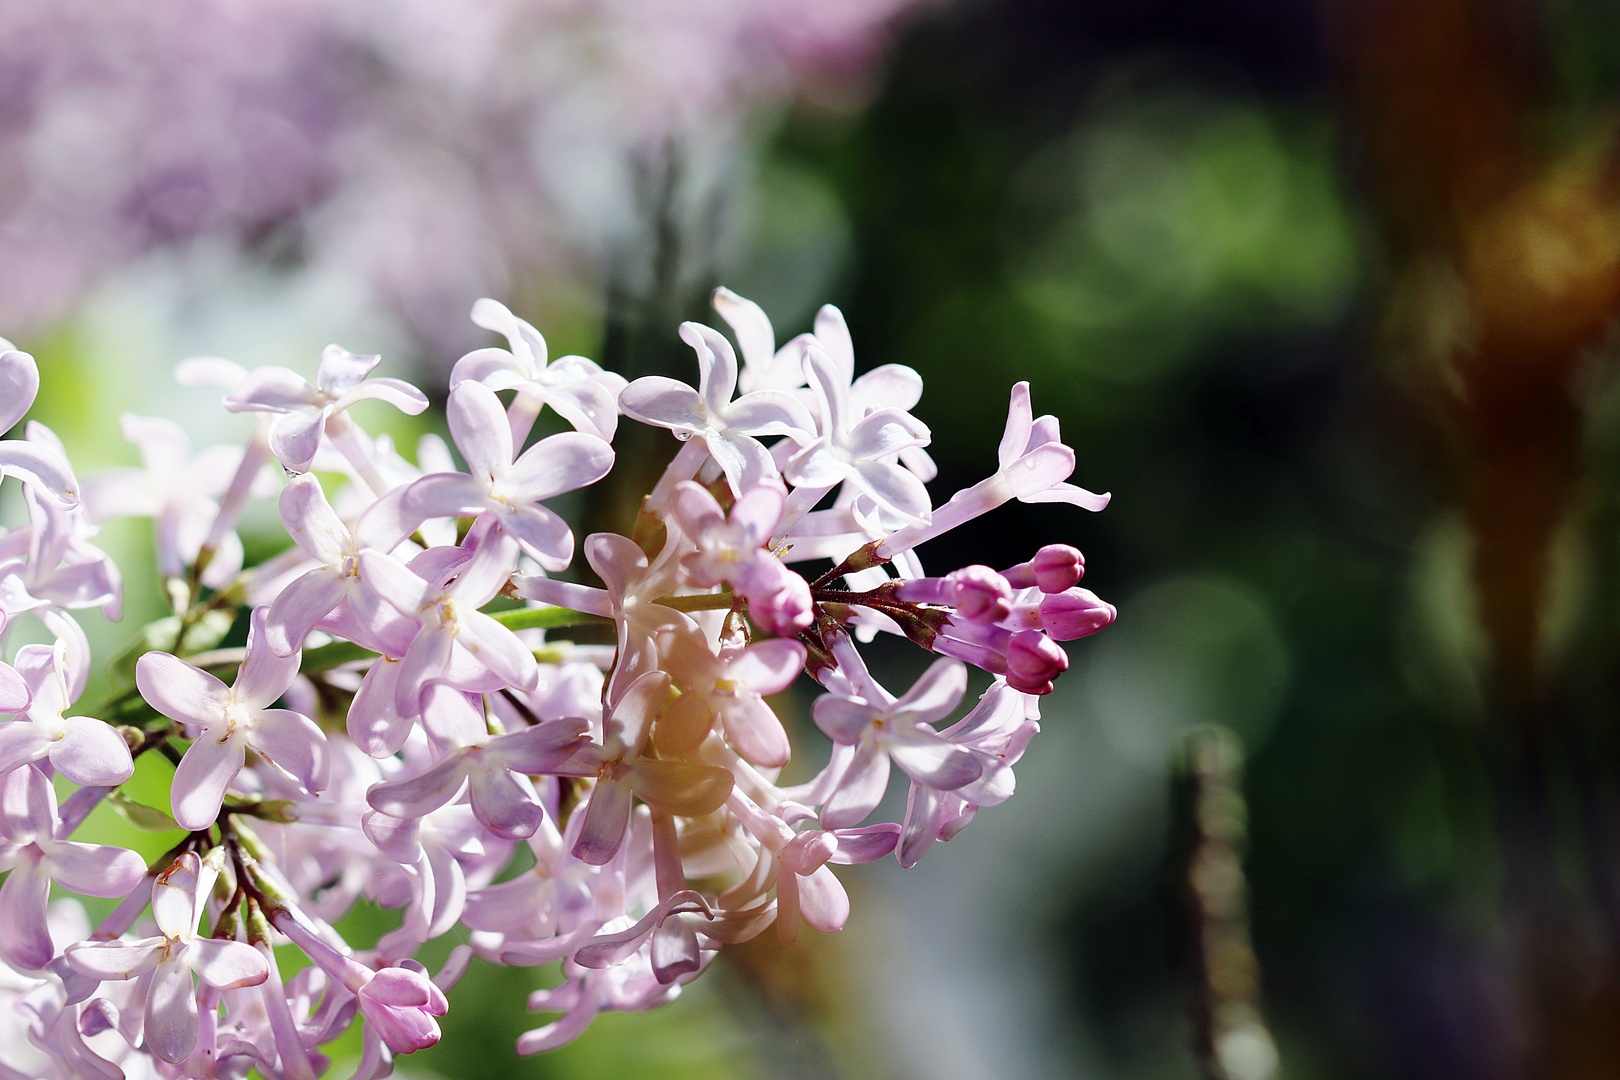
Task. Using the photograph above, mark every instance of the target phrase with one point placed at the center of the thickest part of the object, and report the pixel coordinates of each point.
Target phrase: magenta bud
(1054, 568)
(401, 1002)
(1075, 613)
(785, 609)
(979, 594)
(1057, 567)
(1033, 661)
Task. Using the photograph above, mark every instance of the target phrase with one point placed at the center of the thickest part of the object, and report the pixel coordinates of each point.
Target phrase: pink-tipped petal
(19, 384)
(298, 607)
(934, 762)
(559, 463)
(14, 696)
(498, 649)
(501, 804)
(295, 437)
(479, 426)
(860, 791)
(935, 694)
(422, 794)
(41, 466)
(106, 960)
(275, 389)
(823, 903)
(311, 521)
(264, 676)
(769, 667)
(446, 495)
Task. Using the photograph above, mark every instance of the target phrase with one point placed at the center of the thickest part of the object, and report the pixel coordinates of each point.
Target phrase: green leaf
(140, 815)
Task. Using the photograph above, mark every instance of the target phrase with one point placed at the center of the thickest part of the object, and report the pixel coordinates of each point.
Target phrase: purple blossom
(81, 748)
(643, 776)
(303, 413)
(510, 490)
(576, 388)
(228, 721)
(492, 767)
(32, 850)
(27, 460)
(728, 428)
(176, 958)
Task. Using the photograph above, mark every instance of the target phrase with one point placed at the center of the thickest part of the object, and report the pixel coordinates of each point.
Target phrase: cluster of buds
(405, 726)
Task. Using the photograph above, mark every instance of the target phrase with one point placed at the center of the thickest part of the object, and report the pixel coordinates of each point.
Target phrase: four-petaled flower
(304, 411)
(175, 957)
(728, 428)
(228, 721)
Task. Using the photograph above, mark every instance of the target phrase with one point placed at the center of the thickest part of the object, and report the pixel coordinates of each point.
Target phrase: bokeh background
(1324, 293)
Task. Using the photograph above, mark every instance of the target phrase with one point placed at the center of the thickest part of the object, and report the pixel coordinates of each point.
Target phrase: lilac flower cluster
(405, 727)
(425, 149)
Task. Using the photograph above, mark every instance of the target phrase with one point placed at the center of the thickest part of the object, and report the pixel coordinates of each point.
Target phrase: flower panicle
(405, 715)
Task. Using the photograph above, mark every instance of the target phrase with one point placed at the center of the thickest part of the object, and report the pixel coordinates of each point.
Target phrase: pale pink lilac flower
(436, 851)
(304, 412)
(862, 450)
(728, 428)
(996, 731)
(399, 1001)
(732, 685)
(52, 560)
(622, 769)
(316, 528)
(633, 587)
(177, 489)
(175, 958)
(450, 620)
(731, 550)
(31, 849)
(882, 728)
(81, 748)
(576, 388)
(643, 776)
(887, 386)
(510, 490)
(228, 721)
(765, 367)
(493, 768)
(14, 693)
(1034, 466)
(27, 460)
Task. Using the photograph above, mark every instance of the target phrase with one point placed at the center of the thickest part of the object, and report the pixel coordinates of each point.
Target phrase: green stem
(339, 653)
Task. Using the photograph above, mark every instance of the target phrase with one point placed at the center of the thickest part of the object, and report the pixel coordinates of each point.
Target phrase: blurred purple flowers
(430, 149)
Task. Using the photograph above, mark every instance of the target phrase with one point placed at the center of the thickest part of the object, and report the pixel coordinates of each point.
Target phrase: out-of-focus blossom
(435, 150)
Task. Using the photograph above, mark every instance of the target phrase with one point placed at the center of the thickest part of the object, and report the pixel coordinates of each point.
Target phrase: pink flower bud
(979, 594)
(1033, 661)
(1075, 613)
(401, 1002)
(784, 609)
(1054, 568)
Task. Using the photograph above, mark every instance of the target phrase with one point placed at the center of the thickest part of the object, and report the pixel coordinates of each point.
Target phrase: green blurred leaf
(140, 815)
